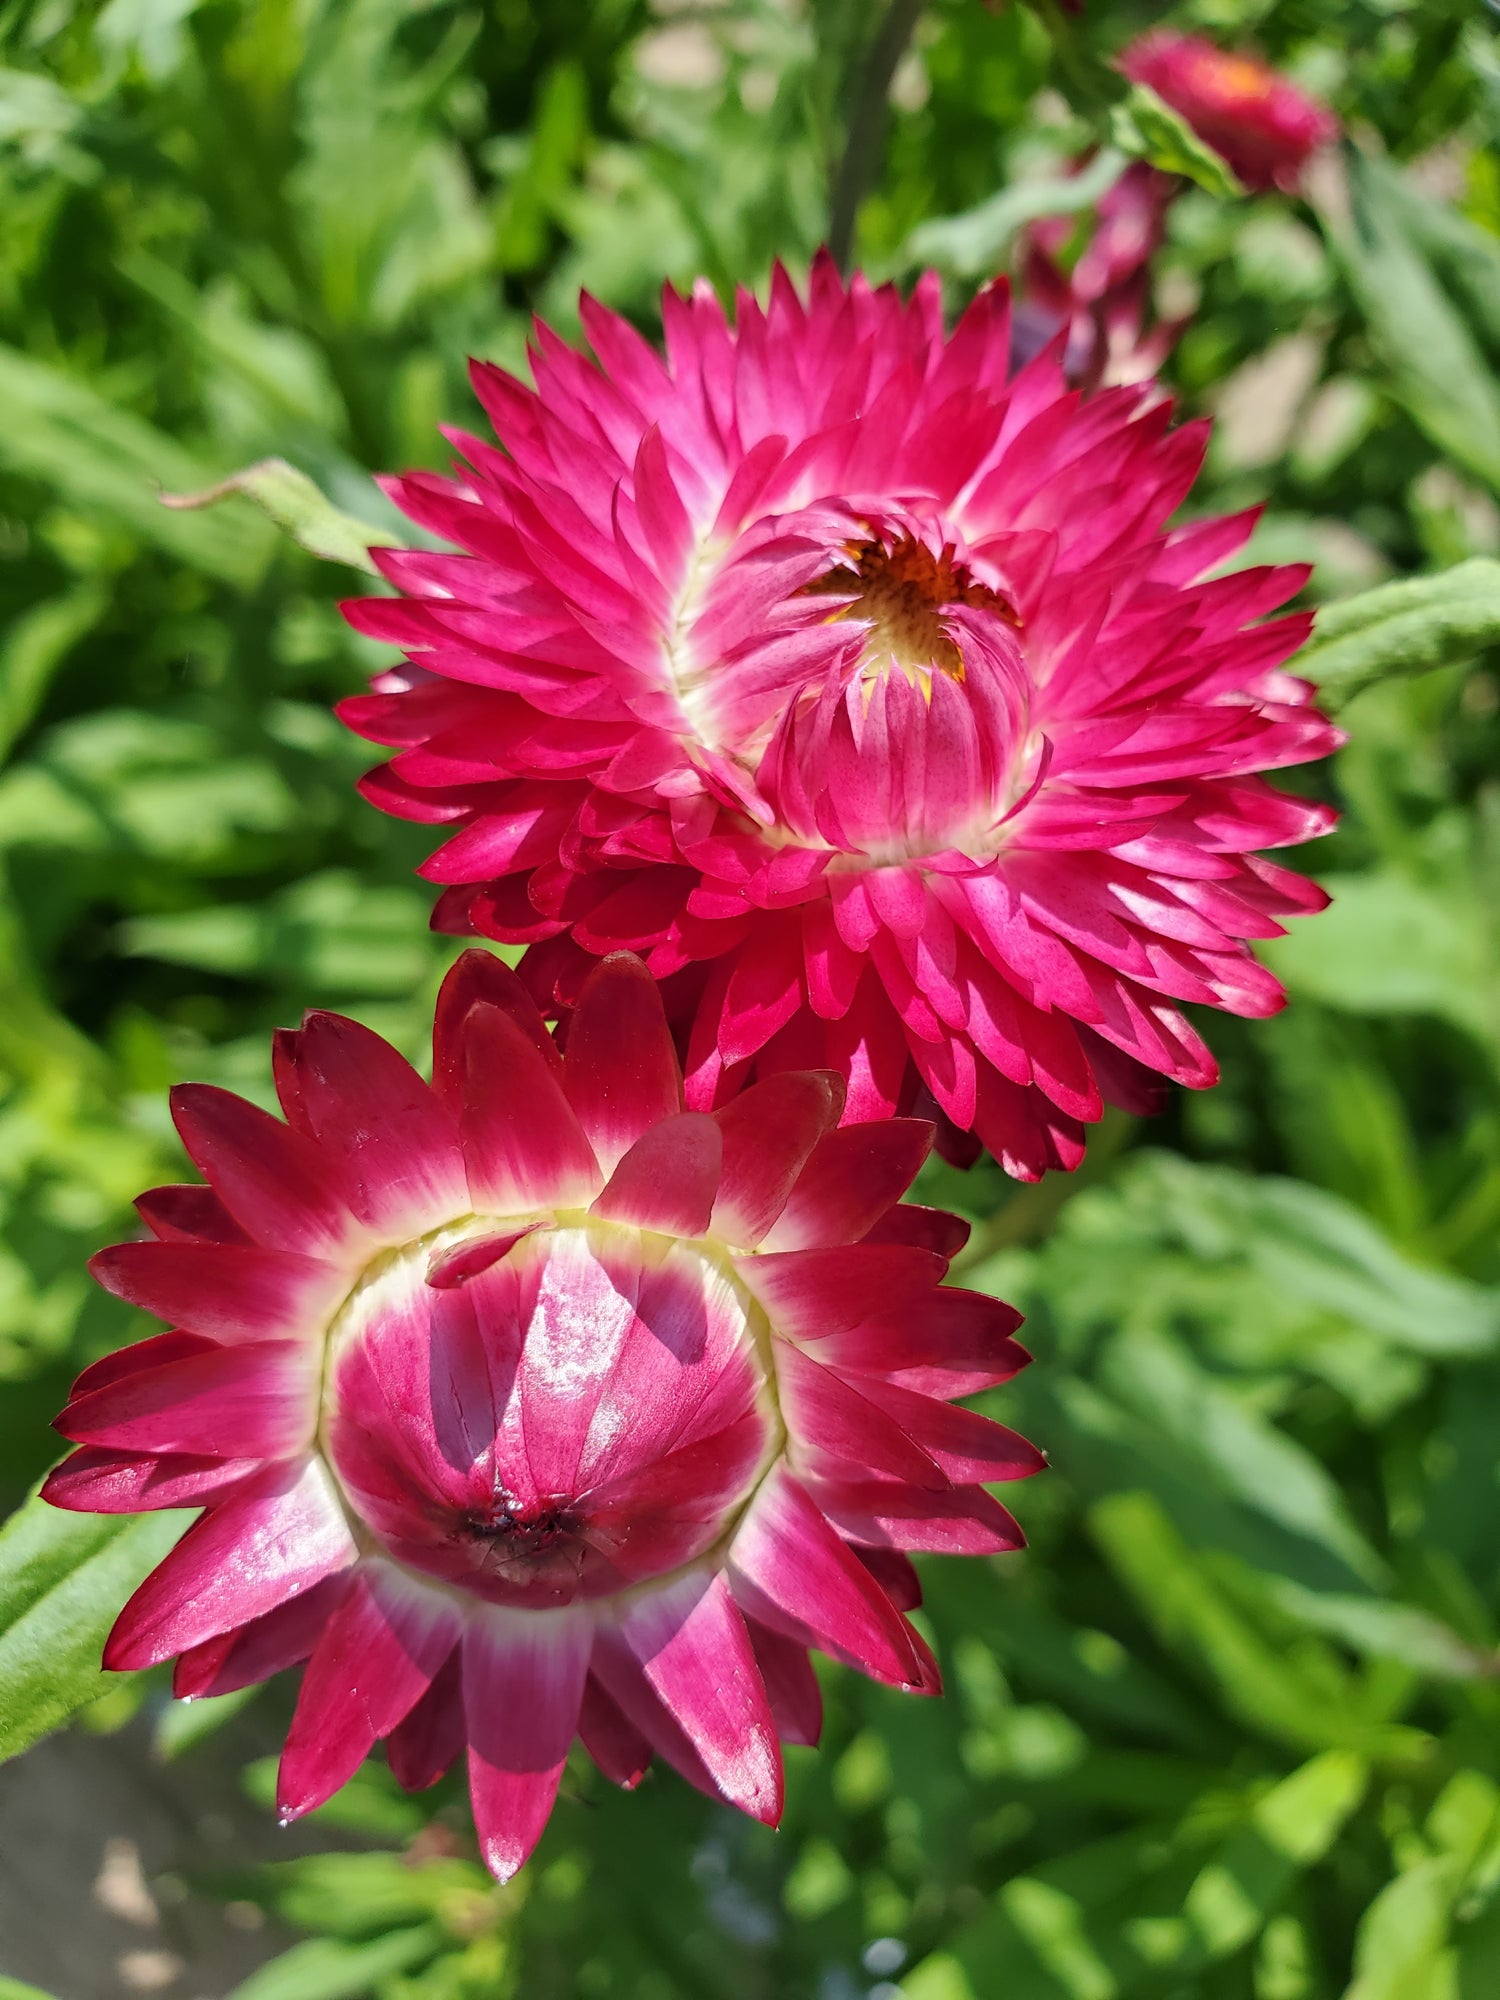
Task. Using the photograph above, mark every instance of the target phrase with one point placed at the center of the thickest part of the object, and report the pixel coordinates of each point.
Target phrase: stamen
(901, 591)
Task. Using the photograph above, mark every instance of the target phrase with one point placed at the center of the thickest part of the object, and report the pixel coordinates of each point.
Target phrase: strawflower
(1265, 127)
(527, 1406)
(864, 689)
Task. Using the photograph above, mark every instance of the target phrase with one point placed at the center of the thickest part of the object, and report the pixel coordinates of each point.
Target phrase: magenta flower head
(1265, 127)
(527, 1405)
(864, 689)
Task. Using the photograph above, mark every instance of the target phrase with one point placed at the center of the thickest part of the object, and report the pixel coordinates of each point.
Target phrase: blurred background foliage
(1229, 1730)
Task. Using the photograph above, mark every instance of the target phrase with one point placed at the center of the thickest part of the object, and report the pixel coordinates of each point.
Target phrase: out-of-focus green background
(1230, 1730)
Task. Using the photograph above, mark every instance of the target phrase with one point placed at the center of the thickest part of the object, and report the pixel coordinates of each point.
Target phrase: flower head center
(901, 590)
(589, 1410)
(1236, 79)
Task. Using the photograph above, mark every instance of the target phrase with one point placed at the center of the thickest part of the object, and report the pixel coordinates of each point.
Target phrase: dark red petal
(621, 1072)
(161, 1347)
(270, 1178)
(478, 976)
(694, 1651)
(827, 1418)
(92, 1481)
(769, 1130)
(810, 1294)
(270, 1541)
(788, 1568)
(791, 1684)
(430, 1740)
(281, 1638)
(258, 1399)
(188, 1215)
(523, 1145)
(221, 1290)
(376, 1658)
(669, 1178)
(924, 1228)
(611, 1739)
(523, 1688)
(853, 1177)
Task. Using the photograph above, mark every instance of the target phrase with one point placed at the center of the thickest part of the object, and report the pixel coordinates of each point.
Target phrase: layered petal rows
(531, 1406)
(863, 687)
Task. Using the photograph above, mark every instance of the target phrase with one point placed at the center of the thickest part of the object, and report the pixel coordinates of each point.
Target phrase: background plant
(1230, 1728)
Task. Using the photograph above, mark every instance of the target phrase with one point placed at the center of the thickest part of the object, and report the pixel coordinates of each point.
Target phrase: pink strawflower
(528, 1406)
(1103, 304)
(864, 689)
(1265, 127)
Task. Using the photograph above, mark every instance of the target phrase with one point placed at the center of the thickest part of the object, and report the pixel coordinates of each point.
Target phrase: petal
(695, 1653)
(827, 1418)
(769, 1131)
(478, 976)
(255, 1400)
(430, 1740)
(152, 1353)
(188, 1215)
(621, 1071)
(952, 1343)
(854, 1175)
(611, 1739)
(523, 1146)
(375, 1659)
(963, 1521)
(811, 1293)
(523, 1676)
(791, 1684)
(669, 1178)
(931, 1229)
(789, 1569)
(267, 1645)
(221, 1290)
(401, 1169)
(970, 1448)
(119, 1482)
(271, 1541)
(270, 1178)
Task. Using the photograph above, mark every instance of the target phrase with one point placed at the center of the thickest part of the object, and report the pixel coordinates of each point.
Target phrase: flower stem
(867, 121)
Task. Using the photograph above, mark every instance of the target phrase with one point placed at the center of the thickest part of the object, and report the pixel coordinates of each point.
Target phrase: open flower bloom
(1265, 127)
(863, 688)
(527, 1405)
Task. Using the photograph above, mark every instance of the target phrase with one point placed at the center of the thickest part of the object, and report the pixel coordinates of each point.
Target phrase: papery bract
(529, 1406)
(1265, 127)
(863, 687)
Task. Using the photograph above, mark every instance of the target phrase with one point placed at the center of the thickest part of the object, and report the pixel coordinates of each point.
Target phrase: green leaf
(1401, 1947)
(298, 508)
(63, 1580)
(1403, 628)
(1147, 128)
(33, 649)
(107, 462)
(974, 243)
(1436, 367)
(329, 1969)
(356, 1895)
(13, 1989)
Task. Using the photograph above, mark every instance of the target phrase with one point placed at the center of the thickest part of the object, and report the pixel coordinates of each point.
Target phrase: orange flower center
(901, 592)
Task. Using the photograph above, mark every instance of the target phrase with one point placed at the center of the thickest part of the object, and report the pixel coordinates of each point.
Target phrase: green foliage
(1227, 1731)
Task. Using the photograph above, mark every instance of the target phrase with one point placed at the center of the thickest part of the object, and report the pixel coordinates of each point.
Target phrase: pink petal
(695, 1653)
(397, 1148)
(430, 1740)
(92, 1481)
(272, 1540)
(524, 1675)
(789, 1569)
(769, 1131)
(269, 1177)
(811, 1293)
(669, 1178)
(478, 977)
(854, 1175)
(221, 1290)
(256, 1400)
(963, 1521)
(188, 1215)
(951, 1344)
(523, 1146)
(827, 1418)
(375, 1659)
(140, 1354)
(621, 1073)
(267, 1645)
(970, 1448)
(791, 1684)
(931, 1229)
(611, 1739)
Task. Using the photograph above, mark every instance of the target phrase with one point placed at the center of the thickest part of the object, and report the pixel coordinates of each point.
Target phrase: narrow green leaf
(63, 1579)
(1403, 628)
(13, 1989)
(1401, 1947)
(298, 508)
(33, 649)
(1147, 128)
(330, 1969)
(109, 462)
(1436, 367)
